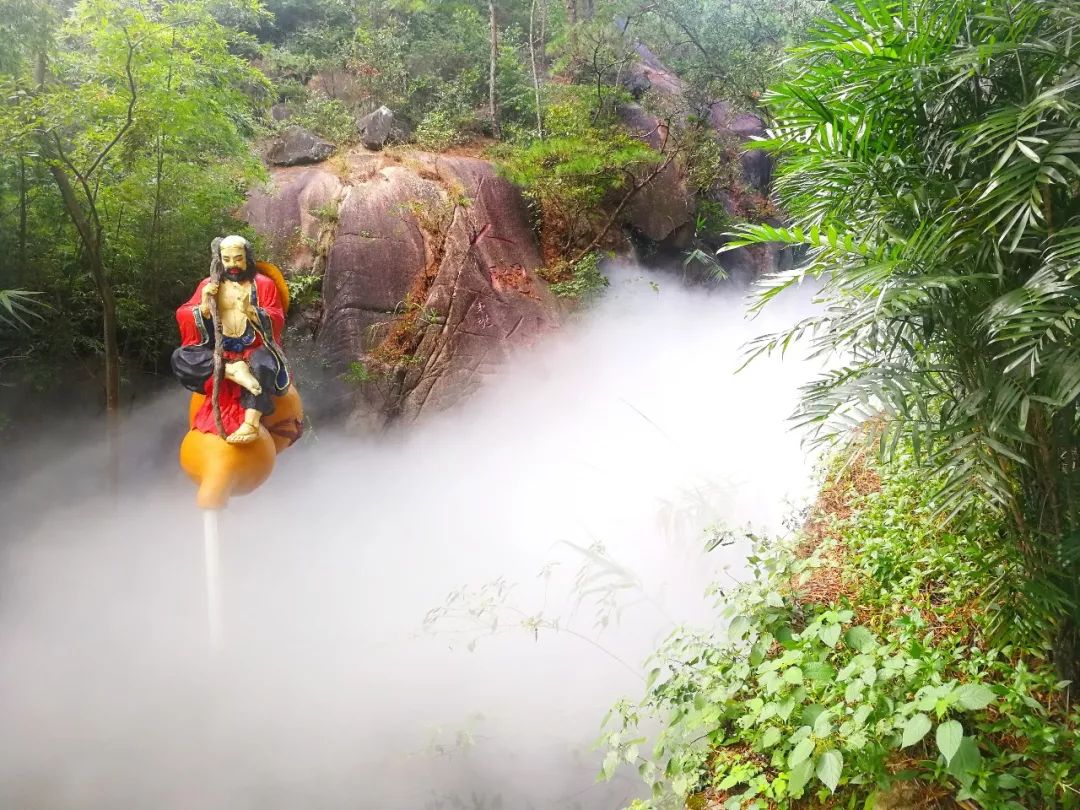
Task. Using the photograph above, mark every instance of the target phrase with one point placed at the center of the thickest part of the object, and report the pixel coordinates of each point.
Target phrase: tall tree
(932, 175)
(492, 100)
(533, 61)
(131, 86)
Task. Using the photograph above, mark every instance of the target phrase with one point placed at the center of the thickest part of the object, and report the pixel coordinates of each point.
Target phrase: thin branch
(82, 182)
(130, 109)
(68, 194)
(635, 188)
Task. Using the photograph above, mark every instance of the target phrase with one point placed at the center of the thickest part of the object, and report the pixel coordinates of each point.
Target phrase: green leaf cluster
(893, 678)
(329, 118)
(585, 281)
(583, 161)
(931, 163)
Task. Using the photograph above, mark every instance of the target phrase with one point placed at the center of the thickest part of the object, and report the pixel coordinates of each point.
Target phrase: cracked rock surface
(428, 266)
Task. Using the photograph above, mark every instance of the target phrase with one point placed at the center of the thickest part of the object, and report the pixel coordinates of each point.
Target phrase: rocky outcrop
(665, 207)
(375, 128)
(428, 268)
(480, 296)
(757, 164)
(665, 212)
(649, 73)
(295, 216)
(296, 146)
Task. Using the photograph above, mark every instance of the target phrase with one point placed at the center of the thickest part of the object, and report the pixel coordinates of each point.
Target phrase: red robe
(195, 331)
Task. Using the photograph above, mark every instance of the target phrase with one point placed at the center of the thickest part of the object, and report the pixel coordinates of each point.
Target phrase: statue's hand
(207, 291)
(251, 312)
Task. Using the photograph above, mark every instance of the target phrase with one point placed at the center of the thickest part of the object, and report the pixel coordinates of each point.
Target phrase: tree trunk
(22, 211)
(543, 33)
(88, 224)
(495, 129)
(92, 243)
(535, 72)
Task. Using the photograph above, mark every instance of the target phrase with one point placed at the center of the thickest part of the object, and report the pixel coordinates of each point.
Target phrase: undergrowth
(581, 281)
(876, 660)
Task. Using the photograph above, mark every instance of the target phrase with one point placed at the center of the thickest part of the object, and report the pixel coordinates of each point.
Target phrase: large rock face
(665, 211)
(665, 207)
(757, 164)
(649, 73)
(428, 268)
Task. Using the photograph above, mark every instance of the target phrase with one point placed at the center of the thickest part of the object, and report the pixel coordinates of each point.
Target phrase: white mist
(629, 429)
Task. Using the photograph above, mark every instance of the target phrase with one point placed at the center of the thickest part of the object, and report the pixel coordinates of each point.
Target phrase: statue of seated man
(252, 317)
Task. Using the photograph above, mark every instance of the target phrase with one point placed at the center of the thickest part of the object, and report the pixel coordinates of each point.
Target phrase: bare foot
(245, 434)
(240, 373)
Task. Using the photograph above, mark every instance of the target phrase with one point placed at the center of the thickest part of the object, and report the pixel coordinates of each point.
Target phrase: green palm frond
(930, 163)
(18, 305)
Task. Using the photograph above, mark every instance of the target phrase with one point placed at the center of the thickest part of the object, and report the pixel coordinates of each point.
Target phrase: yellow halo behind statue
(272, 272)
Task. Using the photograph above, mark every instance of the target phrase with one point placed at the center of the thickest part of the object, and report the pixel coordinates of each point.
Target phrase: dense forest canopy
(130, 129)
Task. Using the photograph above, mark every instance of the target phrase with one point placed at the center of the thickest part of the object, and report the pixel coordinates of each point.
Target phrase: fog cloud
(627, 433)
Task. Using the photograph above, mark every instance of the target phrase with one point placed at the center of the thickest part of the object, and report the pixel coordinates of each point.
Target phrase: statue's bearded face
(234, 260)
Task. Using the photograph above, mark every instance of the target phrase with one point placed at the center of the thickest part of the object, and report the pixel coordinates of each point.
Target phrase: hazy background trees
(126, 130)
(129, 129)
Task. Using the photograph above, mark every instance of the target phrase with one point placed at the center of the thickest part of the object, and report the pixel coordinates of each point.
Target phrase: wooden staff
(219, 358)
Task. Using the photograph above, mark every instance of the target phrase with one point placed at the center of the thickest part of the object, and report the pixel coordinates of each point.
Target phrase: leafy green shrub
(290, 68)
(326, 117)
(451, 118)
(582, 281)
(421, 59)
(584, 161)
(379, 58)
(327, 213)
(358, 373)
(290, 91)
(892, 676)
(304, 290)
(438, 130)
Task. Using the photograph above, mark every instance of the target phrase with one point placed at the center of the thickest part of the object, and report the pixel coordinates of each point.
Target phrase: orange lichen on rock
(513, 277)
